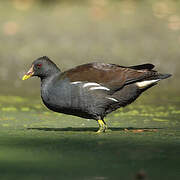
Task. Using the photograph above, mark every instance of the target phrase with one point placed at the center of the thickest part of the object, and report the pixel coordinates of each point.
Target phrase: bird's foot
(101, 130)
(102, 126)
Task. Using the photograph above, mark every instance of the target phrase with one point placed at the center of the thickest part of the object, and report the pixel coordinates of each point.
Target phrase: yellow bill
(28, 74)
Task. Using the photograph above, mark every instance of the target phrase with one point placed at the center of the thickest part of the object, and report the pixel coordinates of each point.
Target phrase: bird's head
(42, 67)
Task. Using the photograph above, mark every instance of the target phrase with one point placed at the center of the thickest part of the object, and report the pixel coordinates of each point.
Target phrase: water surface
(40, 144)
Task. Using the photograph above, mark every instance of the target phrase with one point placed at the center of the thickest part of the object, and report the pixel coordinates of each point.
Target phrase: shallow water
(36, 142)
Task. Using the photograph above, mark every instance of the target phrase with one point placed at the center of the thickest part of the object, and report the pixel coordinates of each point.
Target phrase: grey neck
(50, 76)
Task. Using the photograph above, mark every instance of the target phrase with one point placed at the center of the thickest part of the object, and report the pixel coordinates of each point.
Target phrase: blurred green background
(125, 32)
(37, 144)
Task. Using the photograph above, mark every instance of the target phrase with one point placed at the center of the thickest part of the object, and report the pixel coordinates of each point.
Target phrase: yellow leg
(102, 126)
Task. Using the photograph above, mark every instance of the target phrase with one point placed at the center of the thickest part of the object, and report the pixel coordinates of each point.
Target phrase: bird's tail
(163, 76)
(151, 81)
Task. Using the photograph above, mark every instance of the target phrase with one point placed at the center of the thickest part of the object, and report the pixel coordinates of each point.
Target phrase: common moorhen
(92, 90)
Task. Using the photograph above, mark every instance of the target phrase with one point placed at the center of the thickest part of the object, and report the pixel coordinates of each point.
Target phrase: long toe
(101, 130)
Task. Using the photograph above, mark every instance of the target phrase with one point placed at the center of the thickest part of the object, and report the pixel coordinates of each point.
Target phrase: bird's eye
(39, 65)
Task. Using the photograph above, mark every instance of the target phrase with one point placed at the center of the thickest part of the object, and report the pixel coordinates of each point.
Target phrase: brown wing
(109, 75)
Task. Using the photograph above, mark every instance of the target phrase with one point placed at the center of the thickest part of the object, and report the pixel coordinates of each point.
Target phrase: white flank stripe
(76, 82)
(90, 84)
(113, 99)
(100, 87)
(146, 83)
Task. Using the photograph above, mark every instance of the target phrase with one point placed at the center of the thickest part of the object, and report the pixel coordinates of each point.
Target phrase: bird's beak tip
(28, 74)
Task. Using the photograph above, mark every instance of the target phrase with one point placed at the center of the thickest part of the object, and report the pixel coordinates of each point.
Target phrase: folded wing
(110, 75)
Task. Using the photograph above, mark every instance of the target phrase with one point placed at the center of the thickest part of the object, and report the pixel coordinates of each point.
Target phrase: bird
(92, 90)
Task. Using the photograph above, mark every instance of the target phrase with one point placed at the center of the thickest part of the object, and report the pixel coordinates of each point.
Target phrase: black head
(42, 67)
